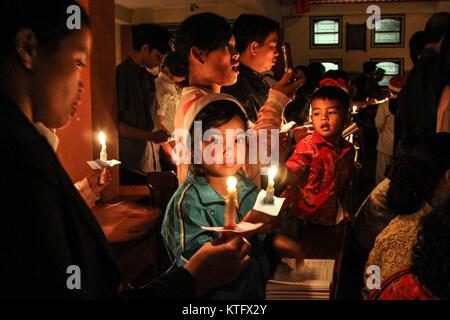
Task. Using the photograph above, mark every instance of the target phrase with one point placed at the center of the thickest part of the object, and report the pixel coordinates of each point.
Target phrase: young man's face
(153, 58)
(266, 54)
(56, 79)
(327, 118)
(220, 65)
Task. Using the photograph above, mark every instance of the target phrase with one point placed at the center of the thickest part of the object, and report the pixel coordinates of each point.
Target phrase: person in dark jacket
(51, 246)
(425, 84)
(256, 41)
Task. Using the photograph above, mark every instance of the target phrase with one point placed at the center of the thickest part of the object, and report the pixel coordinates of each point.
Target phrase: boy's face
(223, 148)
(220, 65)
(56, 80)
(327, 118)
(152, 57)
(266, 55)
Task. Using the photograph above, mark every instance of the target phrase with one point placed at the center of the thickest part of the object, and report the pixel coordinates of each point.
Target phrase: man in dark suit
(51, 246)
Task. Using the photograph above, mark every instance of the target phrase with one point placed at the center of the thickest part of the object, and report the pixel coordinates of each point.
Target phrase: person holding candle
(48, 227)
(319, 171)
(210, 56)
(217, 194)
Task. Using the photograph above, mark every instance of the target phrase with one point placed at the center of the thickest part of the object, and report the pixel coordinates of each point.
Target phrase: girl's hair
(205, 31)
(46, 18)
(214, 115)
(415, 175)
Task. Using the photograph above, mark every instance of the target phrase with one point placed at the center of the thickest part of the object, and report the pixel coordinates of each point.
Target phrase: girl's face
(56, 79)
(220, 65)
(224, 151)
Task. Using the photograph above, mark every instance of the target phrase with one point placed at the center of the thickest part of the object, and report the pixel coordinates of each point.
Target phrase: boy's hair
(46, 18)
(214, 115)
(333, 94)
(251, 27)
(430, 259)
(205, 31)
(175, 66)
(155, 36)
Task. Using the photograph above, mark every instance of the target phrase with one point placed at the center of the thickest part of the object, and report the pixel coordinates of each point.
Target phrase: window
(326, 32)
(334, 64)
(392, 67)
(388, 32)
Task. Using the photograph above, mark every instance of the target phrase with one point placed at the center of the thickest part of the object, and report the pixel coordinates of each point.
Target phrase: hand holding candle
(270, 185)
(103, 154)
(230, 209)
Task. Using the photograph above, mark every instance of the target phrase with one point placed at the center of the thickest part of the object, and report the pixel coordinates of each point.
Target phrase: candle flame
(272, 172)
(102, 138)
(231, 183)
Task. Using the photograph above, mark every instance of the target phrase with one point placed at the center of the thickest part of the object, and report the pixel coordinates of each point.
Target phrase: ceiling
(165, 4)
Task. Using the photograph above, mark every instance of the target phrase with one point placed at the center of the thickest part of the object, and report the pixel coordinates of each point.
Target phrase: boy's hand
(287, 248)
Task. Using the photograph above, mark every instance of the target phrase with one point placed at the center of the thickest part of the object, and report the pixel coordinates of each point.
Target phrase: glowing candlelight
(270, 185)
(355, 109)
(103, 154)
(230, 209)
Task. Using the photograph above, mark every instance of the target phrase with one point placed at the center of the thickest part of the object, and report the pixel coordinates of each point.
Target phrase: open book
(313, 280)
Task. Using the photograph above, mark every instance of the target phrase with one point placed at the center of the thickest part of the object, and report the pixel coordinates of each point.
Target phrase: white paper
(241, 227)
(99, 164)
(271, 209)
(288, 126)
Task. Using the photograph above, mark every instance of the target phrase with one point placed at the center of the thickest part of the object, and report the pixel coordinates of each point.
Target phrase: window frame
(400, 61)
(315, 19)
(401, 44)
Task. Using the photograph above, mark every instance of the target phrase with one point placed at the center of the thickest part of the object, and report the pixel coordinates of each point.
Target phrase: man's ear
(197, 55)
(252, 47)
(26, 48)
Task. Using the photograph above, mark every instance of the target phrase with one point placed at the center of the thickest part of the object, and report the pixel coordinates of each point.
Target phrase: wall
(297, 31)
(78, 140)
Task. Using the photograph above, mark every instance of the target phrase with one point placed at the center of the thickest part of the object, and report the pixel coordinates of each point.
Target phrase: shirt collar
(208, 195)
(243, 69)
(343, 146)
(48, 134)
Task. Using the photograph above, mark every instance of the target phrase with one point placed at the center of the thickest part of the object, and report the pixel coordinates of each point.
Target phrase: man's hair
(416, 45)
(175, 66)
(251, 27)
(333, 94)
(416, 173)
(430, 259)
(46, 18)
(437, 27)
(155, 36)
(205, 31)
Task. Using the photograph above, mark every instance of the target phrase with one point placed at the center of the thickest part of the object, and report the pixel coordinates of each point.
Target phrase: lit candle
(350, 138)
(230, 209)
(354, 109)
(103, 154)
(270, 183)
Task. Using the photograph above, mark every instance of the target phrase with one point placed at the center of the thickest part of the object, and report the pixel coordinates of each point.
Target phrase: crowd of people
(215, 77)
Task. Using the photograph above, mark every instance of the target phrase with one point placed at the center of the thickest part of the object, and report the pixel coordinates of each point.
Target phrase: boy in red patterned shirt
(319, 170)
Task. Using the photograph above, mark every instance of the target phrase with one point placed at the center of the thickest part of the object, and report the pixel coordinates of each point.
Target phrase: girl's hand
(288, 248)
(99, 179)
